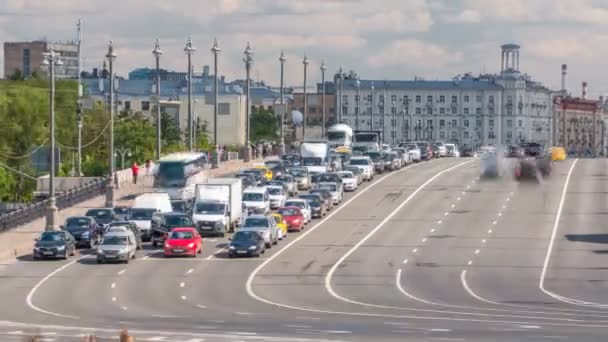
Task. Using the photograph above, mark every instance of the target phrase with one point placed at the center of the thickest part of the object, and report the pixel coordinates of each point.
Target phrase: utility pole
(282, 60)
(215, 49)
(371, 113)
(189, 50)
(323, 68)
(305, 63)
(80, 94)
(358, 98)
(157, 53)
(111, 56)
(248, 61)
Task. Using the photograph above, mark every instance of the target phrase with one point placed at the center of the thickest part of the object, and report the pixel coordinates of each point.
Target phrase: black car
(466, 152)
(315, 178)
(246, 243)
(180, 206)
(426, 153)
(122, 212)
(247, 180)
(257, 174)
(103, 216)
(515, 152)
(532, 149)
(130, 226)
(378, 160)
(330, 177)
(291, 159)
(84, 229)
(54, 244)
(326, 196)
(318, 206)
(162, 224)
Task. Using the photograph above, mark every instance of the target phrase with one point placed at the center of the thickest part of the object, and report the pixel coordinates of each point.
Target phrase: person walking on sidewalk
(134, 172)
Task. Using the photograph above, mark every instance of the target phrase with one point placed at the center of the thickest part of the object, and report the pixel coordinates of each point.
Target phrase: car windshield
(99, 213)
(346, 175)
(311, 161)
(170, 174)
(375, 156)
(113, 240)
(277, 219)
(298, 172)
(299, 204)
(357, 161)
(210, 208)
(253, 197)
(52, 236)
(178, 221)
(329, 178)
(77, 222)
(289, 212)
(244, 236)
(284, 178)
(311, 199)
(328, 187)
(181, 235)
(142, 214)
(121, 210)
(275, 191)
(255, 222)
(273, 164)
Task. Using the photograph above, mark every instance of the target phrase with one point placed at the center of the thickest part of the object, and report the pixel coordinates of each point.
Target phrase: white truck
(314, 155)
(340, 135)
(217, 206)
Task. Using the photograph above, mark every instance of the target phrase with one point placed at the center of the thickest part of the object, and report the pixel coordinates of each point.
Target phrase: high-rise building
(26, 57)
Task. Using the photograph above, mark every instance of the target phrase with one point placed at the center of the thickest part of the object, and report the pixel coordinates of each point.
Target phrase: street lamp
(111, 57)
(358, 85)
(323, 68)
(371, 112)
(282, 60)
(216, 159)
(157, 53)
(337, 82)
(122, 152)
(305, 63)
(248, 61)
(51, 59)
(189, 50)
(393, 121)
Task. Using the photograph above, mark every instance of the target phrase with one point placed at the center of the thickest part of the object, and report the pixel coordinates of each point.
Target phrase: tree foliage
(264, 125)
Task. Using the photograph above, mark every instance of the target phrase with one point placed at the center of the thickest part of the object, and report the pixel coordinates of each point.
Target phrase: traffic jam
(255, 209)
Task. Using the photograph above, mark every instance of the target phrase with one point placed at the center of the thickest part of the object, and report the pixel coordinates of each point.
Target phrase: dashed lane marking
(121, 272)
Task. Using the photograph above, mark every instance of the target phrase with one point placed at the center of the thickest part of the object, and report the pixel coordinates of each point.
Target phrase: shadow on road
(592, 238)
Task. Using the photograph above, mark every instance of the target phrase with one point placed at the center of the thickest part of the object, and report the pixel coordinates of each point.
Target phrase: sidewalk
(19, 241)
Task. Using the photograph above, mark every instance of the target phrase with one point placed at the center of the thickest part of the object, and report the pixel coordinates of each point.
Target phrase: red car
(183, 241)
(294, 218)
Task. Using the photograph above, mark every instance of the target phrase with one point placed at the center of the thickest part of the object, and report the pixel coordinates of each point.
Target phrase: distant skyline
(387, 39)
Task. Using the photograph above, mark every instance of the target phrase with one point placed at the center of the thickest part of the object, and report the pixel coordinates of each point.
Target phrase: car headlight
(36, 249)
(253, 248)
(100, 251)
(231, 247)
(60, 248)
(123, 251)
(167, 245)
(191, 245)
(85, 234)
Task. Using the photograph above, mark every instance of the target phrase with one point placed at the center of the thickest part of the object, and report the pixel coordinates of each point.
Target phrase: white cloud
(396, 21)
(559, 48)
(468, 16)
(414, 53)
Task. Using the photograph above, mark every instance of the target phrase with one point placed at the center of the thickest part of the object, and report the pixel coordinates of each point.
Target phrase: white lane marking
(439, 222)
(124, 308)
(483, 241)
(298, 326)
(423, 240)
(530, 326)
(489, 231)
(468, 186)
(405, 261)
(459, 198)
(395, 323)
(407, 294)
(241, 333)
(308, 318)
(499, 214)
(165, 316)
(337, 331)
(122, 272)
(477, 251)
(453, 205)
(446, 213)
(432, 230)
(220, 250)
(511, 193)
(556, 337)
(156, 338)
(465, 285)
(146, 257)
(414, 250)
(113, 285)
(504, 206)
(113, 299)
(494, 222)
(201, 306)
(243, 313)
(440, 330)
(464, 192)
(182, 284)
(17, 332)
(190, 271)
(211, 240)
(470, 262)
(508, 199)
(184, 297)
(30, 295)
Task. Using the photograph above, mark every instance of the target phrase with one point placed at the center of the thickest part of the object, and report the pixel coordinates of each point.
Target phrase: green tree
(17, 75)
(171, 134)
(264, 125)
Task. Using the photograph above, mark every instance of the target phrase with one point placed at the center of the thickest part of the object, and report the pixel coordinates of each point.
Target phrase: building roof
(458, 84)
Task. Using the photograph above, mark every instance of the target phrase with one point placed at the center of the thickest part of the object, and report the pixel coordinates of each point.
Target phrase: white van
(144, 206)
(257, 200)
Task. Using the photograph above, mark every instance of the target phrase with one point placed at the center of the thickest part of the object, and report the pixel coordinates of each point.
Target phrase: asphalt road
(427, 253)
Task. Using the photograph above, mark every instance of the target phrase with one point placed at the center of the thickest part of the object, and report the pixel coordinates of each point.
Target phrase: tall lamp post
(216, 158)
(189, 50)
(111, 57)
(51, 59)
(393, 120)
(323, 68)
(248, 61)
(305, 63)
(80, 93)
(371, 112)
(358, 98)
(157, 53)
(282, 60)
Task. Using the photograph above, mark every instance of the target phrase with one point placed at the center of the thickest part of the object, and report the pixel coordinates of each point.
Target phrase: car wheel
(222, 234)
(268, 245)
(126, 261)
(99, 261)
(275, 242)
(263, 251)
(134, 255)
(154, 244)
(73, 251)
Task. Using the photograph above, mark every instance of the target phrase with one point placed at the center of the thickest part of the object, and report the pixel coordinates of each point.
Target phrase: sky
(378, 39)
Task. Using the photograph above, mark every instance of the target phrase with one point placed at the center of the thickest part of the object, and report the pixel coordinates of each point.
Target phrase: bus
(178, 173)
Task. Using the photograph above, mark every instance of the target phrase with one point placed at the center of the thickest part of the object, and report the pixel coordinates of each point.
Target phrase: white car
(334, 189)
(365, 164)
(406, 157)
(414, 151)
(304, 207)
(441, 148)
(257, 200)
(452, 150)
(349, 180)
(277, 196)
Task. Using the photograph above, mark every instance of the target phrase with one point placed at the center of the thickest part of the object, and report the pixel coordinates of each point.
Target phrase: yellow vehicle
(278, 218)
(267, 171)
(558, 153)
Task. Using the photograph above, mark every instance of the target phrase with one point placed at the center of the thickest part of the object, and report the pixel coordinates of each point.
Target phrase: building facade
(27, 58)
(490, 109)
(315, 107)
(581, 125)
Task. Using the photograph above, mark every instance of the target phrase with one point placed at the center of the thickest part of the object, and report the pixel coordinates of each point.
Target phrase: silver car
(265, 225)
(302, 177)
(292, 184)
(117, 246)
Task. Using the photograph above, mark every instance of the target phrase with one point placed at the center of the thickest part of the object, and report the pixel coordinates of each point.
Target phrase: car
(331, 177)
(426, 153)
(84, 229)
(294, 218)
(290, 181)
(304, 208)
(163, 223)
(117, 246)
(365, 164)
(452, 150)
(302, 177)
(183, 242)
(265, 225)
(378, 160)
(392, 161)
(490, 165)
(515, 152)
(266, 171)
(441, 149)
(122, 212)
(246, 243)
(281, 224)
(357, 172)
(258, 174)
(527, 169)
(276, 166)
(54, 244)
(103, 216)
(247, 180)
(257, 200)
(130, 226)
(532, 149)
(291, 159)
(180, 206)
(279, 183)
(277, 196)
(326, 196)
(349, 180)
(403, 155)
(318, 207)
(334, 189)
(467, 152)
(413, 150)
(143, 219)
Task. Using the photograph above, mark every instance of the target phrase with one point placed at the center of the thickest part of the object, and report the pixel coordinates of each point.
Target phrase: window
(465, 135)
(466, 98)
(491, 99)
(381, 99)
(418, 99)
(429, 123)
(466, 123)
(478, 111)
(509, 135)
(454, 123)
(478, 99)
(466, 111)
(453, 136)
(356, 110)
(393, 110)
(127, 105)
(441, 99)
(520, 123)
(394, 122)
(478, 123)
(430, 110)
(454, 110)
(27, 72)
(145, 105)
(356, 99)
(441, 110)
(491, 135)
(393, 99)
(406, 100)
(491, 111)
(418, 111)
(509, 111)
(509, 123)
(369, 98)
(454, 99)
(344, 99)
(429, 99)
(491, 123)
(441, 123)
(442, 135)
(510, 99)
(344, 110)
(314, 109)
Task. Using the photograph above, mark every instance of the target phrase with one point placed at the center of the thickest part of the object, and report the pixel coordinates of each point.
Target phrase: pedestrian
(148, 167)
(134, 172)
